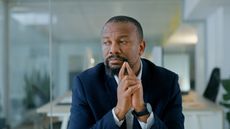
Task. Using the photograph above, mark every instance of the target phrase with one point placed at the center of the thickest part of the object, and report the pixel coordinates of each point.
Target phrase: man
(125, 92)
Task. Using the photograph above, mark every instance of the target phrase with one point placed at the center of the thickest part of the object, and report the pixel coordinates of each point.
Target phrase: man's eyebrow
(105, 37)
(123, 36)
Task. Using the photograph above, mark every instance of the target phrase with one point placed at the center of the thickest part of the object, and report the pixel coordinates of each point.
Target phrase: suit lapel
(149, 82)
(151, 86)
(111, 86)
(145, 80)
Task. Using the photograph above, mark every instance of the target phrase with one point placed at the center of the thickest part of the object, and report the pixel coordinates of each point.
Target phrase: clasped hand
(129, 92)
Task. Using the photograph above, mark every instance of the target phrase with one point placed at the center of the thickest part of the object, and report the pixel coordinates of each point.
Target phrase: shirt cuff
(149, 123)
(118, 123)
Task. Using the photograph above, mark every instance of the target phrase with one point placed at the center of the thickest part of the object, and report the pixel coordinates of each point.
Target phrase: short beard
(113, 71)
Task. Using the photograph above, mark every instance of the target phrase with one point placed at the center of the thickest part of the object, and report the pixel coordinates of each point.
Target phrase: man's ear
(142, 47)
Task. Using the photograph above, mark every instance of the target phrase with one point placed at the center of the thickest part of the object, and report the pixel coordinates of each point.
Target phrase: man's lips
(115, 61)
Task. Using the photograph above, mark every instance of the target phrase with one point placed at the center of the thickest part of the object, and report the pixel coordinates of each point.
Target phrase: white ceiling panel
(81, 20)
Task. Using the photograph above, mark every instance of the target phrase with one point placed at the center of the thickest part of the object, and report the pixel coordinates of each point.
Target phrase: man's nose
(115, 48)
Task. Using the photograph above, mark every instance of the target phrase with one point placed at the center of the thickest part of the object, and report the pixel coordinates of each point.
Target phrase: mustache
(113, 71)
(117, 57)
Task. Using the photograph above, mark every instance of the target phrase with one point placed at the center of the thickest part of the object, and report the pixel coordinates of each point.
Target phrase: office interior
(45, 43)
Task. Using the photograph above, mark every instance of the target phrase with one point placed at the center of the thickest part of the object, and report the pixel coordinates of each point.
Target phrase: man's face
(121, 42)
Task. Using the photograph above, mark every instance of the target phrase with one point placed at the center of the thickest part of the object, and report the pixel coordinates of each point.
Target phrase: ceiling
(81, 20)
(204, 8)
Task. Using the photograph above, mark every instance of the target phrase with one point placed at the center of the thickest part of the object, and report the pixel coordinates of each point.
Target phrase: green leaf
(225, 104)
(228, 116)
(226, 97)
(226, 85)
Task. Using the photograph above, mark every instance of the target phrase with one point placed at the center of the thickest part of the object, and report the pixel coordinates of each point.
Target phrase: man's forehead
(117, 35)
(113, 27)
(118, 29)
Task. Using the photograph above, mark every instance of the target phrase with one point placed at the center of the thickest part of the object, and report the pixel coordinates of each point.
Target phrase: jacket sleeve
(81, 116)
(173, 117)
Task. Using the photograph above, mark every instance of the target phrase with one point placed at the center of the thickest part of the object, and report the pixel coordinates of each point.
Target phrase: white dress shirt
(129, 117)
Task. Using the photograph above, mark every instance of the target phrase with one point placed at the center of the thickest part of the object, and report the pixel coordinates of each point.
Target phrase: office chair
(212, 88)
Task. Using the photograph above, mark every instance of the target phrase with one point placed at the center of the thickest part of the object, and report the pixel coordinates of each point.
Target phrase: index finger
(129, 70)
(122, 71)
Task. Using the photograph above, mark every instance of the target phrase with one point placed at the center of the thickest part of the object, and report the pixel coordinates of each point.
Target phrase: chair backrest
(212, 88)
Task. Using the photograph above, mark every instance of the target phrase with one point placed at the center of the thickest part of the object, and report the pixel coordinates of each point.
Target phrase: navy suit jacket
(95, 95)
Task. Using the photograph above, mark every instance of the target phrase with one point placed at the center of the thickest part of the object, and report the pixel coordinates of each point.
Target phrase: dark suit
(95, 94)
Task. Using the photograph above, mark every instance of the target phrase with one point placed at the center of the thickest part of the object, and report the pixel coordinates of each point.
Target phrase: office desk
(199, 112)
(60, 108)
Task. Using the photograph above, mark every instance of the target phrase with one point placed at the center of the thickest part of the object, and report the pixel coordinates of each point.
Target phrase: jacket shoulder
(94, 72)
(158, 70)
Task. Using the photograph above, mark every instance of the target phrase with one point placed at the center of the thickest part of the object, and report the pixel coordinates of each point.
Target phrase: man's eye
(123, 42)
(106, 42)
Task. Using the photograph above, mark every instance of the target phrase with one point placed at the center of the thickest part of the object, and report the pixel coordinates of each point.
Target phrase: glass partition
(29, 68)
(2, 66)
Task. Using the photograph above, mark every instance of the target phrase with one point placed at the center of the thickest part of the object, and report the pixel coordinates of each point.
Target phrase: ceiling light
(185, 34)
(33, 18)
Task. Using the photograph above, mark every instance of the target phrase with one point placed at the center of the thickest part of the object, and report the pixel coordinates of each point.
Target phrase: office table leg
(65, 122)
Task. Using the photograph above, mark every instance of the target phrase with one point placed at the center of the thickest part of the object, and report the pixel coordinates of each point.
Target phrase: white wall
(200, 59)
(180, 64)
(157, 55)
(214, 43)
(189, 6)
(226, 50)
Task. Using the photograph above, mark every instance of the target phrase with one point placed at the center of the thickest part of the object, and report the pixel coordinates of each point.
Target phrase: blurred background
(44, 43)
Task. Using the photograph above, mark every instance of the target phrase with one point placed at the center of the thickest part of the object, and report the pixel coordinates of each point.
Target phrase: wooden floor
(34, 122)
(39, 124)
(32, 126)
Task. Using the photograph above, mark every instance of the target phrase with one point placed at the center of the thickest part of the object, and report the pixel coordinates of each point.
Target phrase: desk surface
(195, 102)
(57, 106)
(191, 102)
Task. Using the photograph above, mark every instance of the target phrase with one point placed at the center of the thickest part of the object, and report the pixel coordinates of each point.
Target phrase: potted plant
(37, 87)
(226, 97)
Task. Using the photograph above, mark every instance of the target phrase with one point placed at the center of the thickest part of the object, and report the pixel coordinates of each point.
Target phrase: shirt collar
(138, 76)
